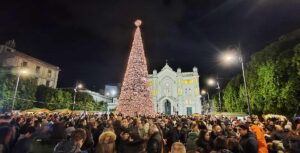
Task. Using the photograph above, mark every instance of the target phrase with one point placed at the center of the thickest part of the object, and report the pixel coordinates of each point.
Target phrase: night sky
(90, 40)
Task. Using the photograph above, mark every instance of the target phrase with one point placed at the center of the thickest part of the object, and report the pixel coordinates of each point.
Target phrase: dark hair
(233, 144)
(5, 131)
(244, 126)
(220, 143)
(78, 135)
(202, 134)
(201, 138)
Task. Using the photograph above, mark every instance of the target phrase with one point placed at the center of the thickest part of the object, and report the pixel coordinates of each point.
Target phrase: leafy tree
(273, 79)
(60, 99)
(43, 95)
(231, 99)
(101, 106)
(84, 101)
(25, 95)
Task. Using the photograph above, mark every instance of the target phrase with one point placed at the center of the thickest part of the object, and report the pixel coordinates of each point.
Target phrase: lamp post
(78, 86)
(213, 82)
(203, 92)
(20, 72)
(233, 56)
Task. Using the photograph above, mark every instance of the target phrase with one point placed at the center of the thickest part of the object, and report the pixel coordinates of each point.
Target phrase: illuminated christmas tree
(135, 97)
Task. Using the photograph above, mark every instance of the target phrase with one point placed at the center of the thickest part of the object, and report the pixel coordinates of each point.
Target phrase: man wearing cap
(248, 140)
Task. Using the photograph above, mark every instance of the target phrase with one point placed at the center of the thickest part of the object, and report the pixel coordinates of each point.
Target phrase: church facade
(175, 92)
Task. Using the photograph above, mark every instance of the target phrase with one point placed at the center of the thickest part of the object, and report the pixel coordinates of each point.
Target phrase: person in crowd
(155, 142)
(248, 140)
(69, 129)
(174, 135)
(203, 141)
(24, 143)
(220, 145)
(73, 145)
(294, 137)
(216, 131)
(234, 146)
(58, 130)
(192, 137)
(178, 147)
(260, 136)
(106, 143)
(6, 135)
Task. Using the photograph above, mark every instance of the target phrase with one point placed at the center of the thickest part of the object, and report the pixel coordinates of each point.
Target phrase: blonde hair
(105, 134)
(180, 149)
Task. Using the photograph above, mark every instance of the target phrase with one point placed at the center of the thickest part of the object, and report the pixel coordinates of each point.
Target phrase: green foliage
(101, 106)
(232, 100)
(60, 99)
(84, 101)
(43, 96)
(25, 95)
(273, 80)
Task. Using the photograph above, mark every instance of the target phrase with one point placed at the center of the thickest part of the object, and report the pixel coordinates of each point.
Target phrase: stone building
(175, 92)
(44, 73)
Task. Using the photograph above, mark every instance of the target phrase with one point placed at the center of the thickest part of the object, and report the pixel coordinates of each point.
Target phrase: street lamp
(204, 92)
(231, 56)
(213, 82)
(78, 86)
(20, 72)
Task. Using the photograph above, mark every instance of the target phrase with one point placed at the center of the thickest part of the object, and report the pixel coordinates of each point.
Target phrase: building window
(38, 69)
(24, 64)
(49, 73)
(48, 83)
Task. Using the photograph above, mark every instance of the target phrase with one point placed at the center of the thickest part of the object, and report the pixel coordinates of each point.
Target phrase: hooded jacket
(249, 143)
(260, 136)
(191, 141)
(67, 147)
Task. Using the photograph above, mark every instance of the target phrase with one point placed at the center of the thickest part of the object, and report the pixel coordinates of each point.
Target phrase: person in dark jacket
(6, 135)
(203, 141)
(24, 143)
(135, 144)
(248, 140)
(154, 144)
(174, 135)
(73, 145)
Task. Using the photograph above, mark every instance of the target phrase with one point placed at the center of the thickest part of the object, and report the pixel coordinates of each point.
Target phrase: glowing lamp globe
(138, 23)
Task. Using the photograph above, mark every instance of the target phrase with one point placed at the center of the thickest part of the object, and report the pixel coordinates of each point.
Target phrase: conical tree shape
(135, 97)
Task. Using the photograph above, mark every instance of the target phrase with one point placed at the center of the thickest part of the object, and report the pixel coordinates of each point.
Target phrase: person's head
(220, 143)
(79, 136)
(162, 124)
(139, 123)
(29, 132)
(179, 127)
(195, 128)
(204, 135)
(5, 135)
(243, 129)
(217, 129)
(153, 129)
(107, 137)
(125, 123)
(178, 147)
(125, 134)
(233, 144)
(278, 128)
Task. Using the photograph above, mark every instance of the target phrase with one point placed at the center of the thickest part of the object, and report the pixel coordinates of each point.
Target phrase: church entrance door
(167, 108)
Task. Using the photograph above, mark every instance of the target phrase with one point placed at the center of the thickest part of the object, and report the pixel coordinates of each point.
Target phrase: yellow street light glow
(79, 86)
(203, 92)
(211, 82)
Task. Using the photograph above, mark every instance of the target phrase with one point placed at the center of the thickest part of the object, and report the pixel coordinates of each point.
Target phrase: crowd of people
(94, 133)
